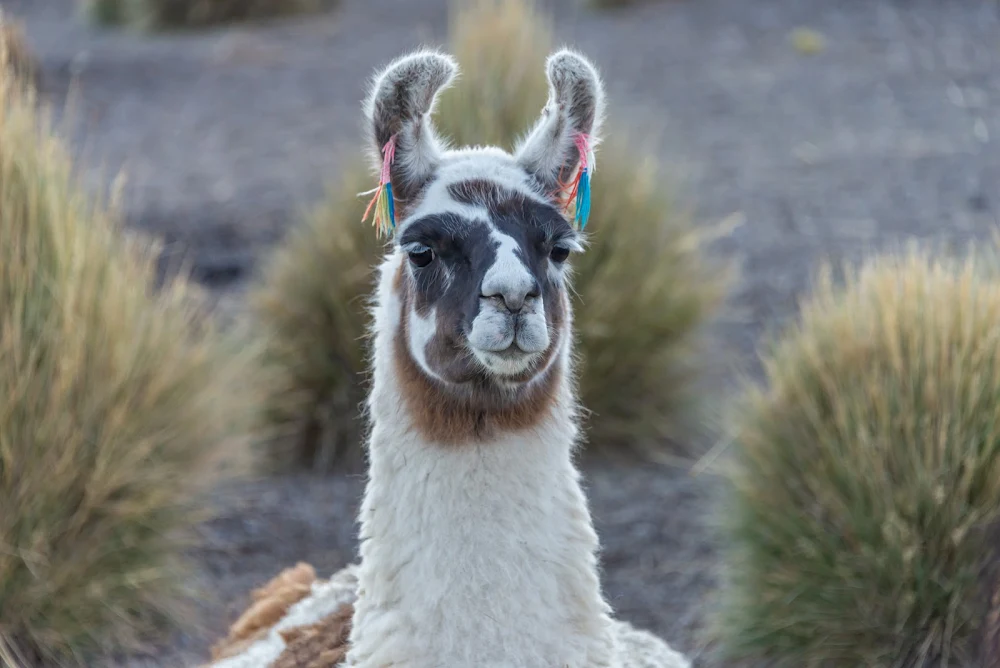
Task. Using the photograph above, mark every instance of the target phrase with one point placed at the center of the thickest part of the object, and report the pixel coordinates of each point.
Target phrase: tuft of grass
(177, 14)
(501, 48)
(18, 59)
(865, 499)
(645, 267)
(119, 404)
(645, 289)
(310, 305)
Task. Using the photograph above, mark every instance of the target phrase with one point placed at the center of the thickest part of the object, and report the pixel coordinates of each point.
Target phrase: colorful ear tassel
(385, 210)
(580, 192)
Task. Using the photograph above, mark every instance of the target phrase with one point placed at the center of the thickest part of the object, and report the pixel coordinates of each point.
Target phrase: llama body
(477, 545)
(490, 544)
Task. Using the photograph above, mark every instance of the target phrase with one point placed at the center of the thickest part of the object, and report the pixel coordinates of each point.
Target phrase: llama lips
(511, 361)
(512, 352)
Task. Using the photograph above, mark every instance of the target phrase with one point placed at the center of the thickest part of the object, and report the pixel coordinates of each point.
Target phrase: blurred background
(747, 142)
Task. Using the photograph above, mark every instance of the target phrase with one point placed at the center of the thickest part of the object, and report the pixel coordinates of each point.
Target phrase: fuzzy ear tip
(438, 67)
(569, 62)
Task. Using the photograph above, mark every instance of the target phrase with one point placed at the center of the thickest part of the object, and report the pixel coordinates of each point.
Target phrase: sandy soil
(887, 135)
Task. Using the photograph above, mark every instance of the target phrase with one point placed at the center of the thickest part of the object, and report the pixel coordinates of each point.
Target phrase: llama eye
(559, 254)
(421, 256)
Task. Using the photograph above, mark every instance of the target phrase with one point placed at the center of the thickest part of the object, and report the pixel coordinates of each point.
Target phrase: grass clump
(501, 48)
(175, 14)
(311, 308)
(865, 502)
(645, 289)
(118, 406)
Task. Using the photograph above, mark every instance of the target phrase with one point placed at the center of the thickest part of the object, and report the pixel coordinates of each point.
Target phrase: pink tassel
(385, 209)
(579, 187)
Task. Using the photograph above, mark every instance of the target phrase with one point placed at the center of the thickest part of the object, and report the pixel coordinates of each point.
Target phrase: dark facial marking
(472, 405)
(463, 252)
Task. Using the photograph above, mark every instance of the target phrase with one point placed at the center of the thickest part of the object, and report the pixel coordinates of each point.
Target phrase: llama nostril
(512, 298)
(510, 303)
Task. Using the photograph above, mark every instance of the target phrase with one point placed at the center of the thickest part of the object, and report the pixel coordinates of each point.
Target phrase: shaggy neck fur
(480, 554)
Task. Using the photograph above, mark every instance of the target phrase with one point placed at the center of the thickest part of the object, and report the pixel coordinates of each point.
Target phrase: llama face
(485, 273)
(482, 245)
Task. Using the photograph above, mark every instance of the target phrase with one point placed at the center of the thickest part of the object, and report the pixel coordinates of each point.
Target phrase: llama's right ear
(398, 108)
(571, 120)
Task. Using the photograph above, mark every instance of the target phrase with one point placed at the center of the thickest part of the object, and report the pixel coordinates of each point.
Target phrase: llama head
(482, 239)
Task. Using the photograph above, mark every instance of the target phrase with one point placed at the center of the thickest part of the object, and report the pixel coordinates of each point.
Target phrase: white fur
(508, 277)
(479, 555)
(476, 555)
(420, 331)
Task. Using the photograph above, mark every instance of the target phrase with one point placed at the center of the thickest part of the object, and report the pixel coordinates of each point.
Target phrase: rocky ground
(889, 134)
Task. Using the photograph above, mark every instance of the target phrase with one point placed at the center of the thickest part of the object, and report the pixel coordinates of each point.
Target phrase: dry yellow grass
(118, 406)
(646, 287)
(501, 48)
(865, 502)
(310, 307)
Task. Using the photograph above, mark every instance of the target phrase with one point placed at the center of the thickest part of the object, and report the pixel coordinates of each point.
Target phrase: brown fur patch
(270, 604)
(477, 410)
(320, 645)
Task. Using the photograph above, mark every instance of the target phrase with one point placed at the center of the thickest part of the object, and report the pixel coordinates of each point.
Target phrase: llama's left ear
(570, 120)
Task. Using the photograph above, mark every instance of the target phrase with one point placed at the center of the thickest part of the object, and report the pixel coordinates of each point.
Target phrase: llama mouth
(511, 361)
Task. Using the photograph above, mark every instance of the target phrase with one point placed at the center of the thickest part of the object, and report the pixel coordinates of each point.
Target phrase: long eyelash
(571, 241)
(412, 246)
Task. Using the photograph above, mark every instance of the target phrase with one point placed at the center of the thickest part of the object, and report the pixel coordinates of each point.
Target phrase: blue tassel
(583, 199)
(392, 206)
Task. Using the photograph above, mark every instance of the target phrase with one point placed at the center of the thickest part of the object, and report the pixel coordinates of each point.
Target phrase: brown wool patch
(270, 604)
(477, 411)
(323, 644)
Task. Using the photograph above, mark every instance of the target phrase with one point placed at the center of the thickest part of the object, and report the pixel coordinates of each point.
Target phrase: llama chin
(477, 544)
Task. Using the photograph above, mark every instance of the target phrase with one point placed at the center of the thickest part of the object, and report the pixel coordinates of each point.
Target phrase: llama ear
(397, 114)
(570, 122)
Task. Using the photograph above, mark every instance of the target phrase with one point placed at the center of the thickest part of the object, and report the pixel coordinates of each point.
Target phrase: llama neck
(481, 554)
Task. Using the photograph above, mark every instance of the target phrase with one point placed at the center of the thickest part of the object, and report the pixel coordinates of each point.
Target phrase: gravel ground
(889, 134)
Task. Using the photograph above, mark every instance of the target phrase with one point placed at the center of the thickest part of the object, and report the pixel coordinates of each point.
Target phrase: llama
(477, 545)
